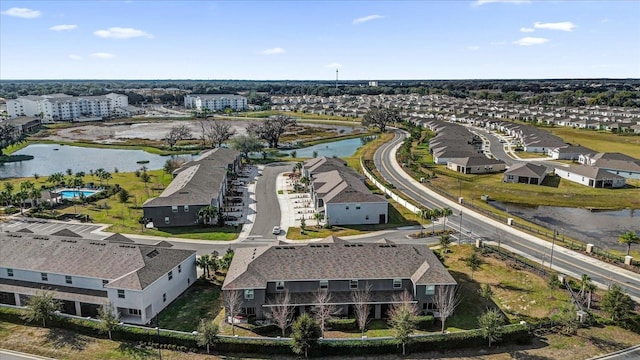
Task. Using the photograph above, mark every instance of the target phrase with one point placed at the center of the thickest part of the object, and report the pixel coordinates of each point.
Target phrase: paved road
(632, 353)
(268, 208)
(472, 225)
(13, 355)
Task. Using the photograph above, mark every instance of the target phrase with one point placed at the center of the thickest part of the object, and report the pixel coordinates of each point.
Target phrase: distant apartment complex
(215, 102)
(63, 107)
(138, 280)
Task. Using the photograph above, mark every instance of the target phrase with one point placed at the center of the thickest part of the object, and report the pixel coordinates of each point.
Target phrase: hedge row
(342, 324)
(512, 334)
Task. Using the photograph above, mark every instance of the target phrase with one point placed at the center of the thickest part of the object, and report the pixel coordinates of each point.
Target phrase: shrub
(343, 324)
(424, 322)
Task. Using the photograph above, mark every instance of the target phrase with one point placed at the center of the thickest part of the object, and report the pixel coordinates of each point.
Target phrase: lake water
(340, 148)
(601, 228)
(52, 158)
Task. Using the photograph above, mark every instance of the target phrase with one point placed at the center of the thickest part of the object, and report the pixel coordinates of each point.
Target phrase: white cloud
(527, 30)
(528, 41)
(63, 27)
(483, 2)
(473, 48)
(363, 19)
(74, 57)
(102, 55)
(121, 33)
(562, 26)
(274, 51)
(333, 65)
(24, 13)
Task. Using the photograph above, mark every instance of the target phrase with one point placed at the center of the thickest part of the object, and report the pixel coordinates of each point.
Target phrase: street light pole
(553, 243)
(460, 235)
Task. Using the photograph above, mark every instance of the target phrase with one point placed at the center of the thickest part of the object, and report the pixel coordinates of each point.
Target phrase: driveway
(268, 207)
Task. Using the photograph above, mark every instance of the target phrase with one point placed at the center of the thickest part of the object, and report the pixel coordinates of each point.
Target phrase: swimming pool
(70, 194)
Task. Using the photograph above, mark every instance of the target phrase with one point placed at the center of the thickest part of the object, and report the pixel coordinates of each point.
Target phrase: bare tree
(271, 129)
(177, 133)
(324, 311)
(218, 132)
(380, 117)
(361, 300)
(446, 300)
(233, 304)
(281, 310)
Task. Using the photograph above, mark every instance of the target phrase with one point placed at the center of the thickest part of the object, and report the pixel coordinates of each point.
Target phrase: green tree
(41, 307)
(318, 217)
(403, 318)
(9, 136)
(490, 324)
(380, 117)
(208, 213)
(246, 144)
(630, 237)
(618, 304)
(566, 319)
(207, 333)
(109, 319)
(55, 179)
(445, 242)
(305, 334)
(445, 212)
(424, 214)
(485, 291)
(123, 196)
(474, 262)
(203, 262)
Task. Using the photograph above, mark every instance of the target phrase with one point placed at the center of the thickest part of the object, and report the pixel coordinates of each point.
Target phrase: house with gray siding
(199, 183)
(339, 268)
(476, 165)
(138, 280)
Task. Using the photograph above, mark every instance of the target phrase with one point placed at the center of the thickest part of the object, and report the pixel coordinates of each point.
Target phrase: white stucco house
(138, 280)
(591, 176)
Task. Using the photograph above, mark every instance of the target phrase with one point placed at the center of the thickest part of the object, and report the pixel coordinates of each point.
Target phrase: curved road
(474, 225)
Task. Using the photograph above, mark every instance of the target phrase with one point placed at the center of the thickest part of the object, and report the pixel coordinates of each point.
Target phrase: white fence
(414, 209)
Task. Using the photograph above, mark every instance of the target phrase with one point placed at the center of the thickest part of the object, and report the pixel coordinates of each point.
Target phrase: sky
(309, 40)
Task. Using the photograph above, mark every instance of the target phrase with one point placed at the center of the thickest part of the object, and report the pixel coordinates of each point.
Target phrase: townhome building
(383, 269)
(138, 280)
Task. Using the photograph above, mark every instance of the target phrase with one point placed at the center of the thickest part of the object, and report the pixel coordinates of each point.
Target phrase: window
(179, 269)
(170, 274)
(430, 290)
(174, 208)
(68, 279)
(44, 276)
(10, 272)
(136, 312)
(279, 285)
(248, 294)
(397, 283)
(121, 294)
(324, 284)
(104, 282)
(166, 219)
(186, 208)
(164, 297)
(249, 311)
(353, 284)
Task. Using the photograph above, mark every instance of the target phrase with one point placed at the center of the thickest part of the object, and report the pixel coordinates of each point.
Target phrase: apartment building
(215, 102)
(63, 107)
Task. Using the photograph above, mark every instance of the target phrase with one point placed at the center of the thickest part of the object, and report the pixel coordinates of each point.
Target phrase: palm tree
(21, 196)
(435, 214)
(318, 217)
(446, 212)
(630, 237)
(35, 195)
(55, 179)
(424, 214)
(586, 289)
(208, 213)
(203, 263)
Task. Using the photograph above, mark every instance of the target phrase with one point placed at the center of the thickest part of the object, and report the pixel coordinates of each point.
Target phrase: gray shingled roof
(334, 259)
(527, 169)
(126, 266)
(475, 161)
(593, 172)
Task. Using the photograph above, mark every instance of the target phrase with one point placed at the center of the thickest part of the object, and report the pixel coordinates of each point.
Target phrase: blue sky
(308, 40)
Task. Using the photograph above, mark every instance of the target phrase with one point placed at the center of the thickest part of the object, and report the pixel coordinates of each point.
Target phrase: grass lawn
(519, 294)
(601, 141)
(123, 218)
(200, 301)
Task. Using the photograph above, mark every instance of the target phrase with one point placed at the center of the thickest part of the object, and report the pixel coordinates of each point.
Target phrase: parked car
(276, 230)
(230, 218)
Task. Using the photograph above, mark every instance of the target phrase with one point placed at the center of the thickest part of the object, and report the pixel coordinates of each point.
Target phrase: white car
(276, 230)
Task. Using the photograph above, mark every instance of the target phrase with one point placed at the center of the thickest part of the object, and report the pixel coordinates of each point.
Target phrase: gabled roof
(593, 172)
(334, 259)
(475, 161)
(527, 169)
(125, 266)
(67, 233)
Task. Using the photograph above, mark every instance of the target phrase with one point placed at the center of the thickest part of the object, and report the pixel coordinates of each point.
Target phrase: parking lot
(47, 227)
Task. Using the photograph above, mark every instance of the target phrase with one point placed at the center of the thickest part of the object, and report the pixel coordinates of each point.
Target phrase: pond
(52, 158)
(340, 148)
(601, 228)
